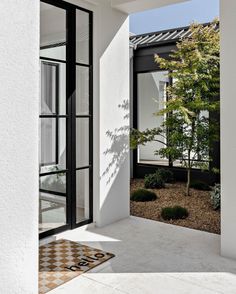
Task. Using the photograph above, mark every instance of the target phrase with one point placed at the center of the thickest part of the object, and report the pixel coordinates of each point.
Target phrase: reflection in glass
(151, 99)
(82, 92)
(82, 195)
(82, 142)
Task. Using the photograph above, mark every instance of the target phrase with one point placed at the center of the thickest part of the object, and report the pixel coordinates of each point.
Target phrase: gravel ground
(201, 215)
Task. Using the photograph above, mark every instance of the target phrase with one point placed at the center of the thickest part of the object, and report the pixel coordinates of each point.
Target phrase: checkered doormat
(63, 260)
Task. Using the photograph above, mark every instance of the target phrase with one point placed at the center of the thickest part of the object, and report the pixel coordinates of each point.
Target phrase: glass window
(52, 144)
(52, 211)
(82, 93)
(82, 195)
(48, 142)
(82, 37)
(82, 142)
(52, 32)
(151, 99)
(49, 87)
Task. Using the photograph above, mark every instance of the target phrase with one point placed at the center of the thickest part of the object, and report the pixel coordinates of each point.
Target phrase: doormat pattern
(63, 260)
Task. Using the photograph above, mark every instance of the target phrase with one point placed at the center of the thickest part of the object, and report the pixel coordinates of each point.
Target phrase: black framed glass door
(66, 117)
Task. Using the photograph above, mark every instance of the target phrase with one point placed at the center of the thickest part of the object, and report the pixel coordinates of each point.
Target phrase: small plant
(166, 174)
(198, 185)
(172, 213)
(216, 196)
(154, 181)
(142, 195)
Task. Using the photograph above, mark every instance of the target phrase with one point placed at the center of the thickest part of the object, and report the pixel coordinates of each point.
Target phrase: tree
(188, 131)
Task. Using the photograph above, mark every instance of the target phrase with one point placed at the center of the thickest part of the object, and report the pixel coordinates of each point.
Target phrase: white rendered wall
(19, 96)
(114, 117)
(228, 123)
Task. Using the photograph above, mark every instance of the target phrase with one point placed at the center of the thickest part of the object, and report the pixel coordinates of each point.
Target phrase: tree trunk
(188, 174)
(188, 182)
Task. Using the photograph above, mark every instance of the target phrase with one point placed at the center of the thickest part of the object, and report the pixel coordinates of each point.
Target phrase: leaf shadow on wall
(119, 147)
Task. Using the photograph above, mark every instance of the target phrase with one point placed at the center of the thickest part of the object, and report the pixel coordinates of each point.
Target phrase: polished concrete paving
(152, 258)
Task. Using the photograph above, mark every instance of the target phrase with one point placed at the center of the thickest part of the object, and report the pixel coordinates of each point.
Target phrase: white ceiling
(131, 6)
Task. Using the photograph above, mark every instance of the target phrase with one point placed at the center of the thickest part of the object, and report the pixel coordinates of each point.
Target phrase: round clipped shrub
(154, 181)
(200, 186)
(142, 195)
(173, 213)
(166, 174)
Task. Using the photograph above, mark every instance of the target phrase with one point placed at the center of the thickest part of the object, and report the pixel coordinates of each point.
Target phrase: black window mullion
(83, 64)
(83, 116)
(52, 59)
(63, 171)
(91, 115)
(71, 99)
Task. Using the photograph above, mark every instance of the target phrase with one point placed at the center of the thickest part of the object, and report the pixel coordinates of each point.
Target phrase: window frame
(71, 116)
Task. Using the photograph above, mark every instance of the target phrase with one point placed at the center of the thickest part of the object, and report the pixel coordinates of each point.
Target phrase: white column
(228, 123)
(111, 200)
(19, 95)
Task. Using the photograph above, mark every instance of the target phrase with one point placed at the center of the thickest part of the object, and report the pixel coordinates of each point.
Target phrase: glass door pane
(82, 195)
(65, 127)
(83, 116)
(82, 93)
(52, 32)
(53, 123)
(82, 36)
(82, 141)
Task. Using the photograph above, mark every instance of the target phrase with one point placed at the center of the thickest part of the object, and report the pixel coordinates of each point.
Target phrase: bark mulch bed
(201, 214)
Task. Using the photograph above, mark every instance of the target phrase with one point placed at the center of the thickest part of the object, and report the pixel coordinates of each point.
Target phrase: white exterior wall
(19, 94)
(228, 123)
(114, 165)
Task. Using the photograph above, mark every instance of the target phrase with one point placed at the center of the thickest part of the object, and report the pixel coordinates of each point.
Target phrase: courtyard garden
(200, 210)
(186, 132)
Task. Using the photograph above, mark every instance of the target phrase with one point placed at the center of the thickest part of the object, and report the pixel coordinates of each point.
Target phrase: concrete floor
(152, 258)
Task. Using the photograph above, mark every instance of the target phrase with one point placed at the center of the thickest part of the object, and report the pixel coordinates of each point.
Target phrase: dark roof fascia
(158, 44)
(161, 43)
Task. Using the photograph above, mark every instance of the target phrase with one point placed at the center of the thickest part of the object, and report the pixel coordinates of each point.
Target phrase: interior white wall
(19, 94)
(228, 122)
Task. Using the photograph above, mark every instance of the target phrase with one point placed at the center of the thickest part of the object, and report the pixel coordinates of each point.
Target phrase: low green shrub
(142, 195)
(176, 212)
(216, 196)
(166, 174)
(198, 185)
(154, 181)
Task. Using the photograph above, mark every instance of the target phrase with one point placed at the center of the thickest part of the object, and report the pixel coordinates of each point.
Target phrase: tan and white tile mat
(63, 260)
